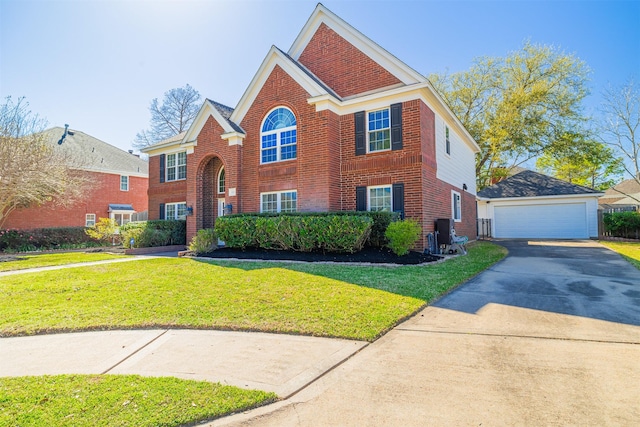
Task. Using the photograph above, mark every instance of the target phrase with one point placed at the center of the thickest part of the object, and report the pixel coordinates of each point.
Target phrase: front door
(220, 213)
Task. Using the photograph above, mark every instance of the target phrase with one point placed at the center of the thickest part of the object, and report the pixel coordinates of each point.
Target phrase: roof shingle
(532, 184)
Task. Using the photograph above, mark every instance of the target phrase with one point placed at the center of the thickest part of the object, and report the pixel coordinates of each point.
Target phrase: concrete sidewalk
(271, 362)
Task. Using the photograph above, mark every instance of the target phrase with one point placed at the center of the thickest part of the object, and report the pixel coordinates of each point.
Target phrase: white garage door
(561, 221)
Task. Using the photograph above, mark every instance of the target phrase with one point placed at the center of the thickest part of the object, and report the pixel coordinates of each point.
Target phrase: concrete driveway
(549, 336)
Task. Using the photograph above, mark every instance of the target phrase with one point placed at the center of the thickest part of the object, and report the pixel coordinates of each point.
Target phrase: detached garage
(530, 205)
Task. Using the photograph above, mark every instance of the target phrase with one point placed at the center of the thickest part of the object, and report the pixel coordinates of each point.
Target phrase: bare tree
(178, 109)
(621, 123)
(34, 171)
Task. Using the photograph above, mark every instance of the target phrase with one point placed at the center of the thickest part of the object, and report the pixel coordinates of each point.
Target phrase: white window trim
(166, 166)
(218, 181)
(112, 214)
(278, 133)
(279, 199)
(453, 206)
(124, 176)
(176, 204)
(389, 186)
(86, 220)
(367, 130)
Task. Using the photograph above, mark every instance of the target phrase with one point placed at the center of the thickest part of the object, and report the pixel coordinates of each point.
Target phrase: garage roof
(533, 184)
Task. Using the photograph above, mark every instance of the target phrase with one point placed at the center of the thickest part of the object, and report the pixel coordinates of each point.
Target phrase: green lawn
(322, 300)
(317, 299)
(46, 260)
(631, 251)
(119, 400)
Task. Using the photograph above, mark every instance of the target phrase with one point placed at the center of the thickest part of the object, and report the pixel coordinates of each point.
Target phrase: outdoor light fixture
(464, 186)
(228, 209)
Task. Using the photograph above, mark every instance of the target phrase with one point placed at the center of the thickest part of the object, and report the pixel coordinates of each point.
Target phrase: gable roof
(322, 15)
(95, 155)
(528, 183)
(296, 71)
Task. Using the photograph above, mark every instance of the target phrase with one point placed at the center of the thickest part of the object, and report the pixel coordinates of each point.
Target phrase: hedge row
(298, 232)
(622, 224)
(45, 239)
(148, 234)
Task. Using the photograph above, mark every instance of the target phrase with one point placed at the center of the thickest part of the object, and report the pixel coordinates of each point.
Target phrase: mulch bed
(367, 255)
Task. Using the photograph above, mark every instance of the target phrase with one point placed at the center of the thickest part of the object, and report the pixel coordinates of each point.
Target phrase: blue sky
(96, 65)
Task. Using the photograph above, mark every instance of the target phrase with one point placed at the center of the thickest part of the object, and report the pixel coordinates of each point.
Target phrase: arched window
(221, 180)
(278, 137)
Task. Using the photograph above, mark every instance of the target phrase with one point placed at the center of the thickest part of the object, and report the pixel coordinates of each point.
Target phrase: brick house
(336, 123)
(118, 186)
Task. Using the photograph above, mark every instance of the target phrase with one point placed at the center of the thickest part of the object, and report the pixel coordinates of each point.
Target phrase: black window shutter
(162, 163)
(361, 198)
(161, 209)
(361, 144)
(398, 198)
(396, 126)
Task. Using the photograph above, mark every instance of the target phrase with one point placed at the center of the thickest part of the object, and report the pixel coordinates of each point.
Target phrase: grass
(46, 260)
(119, 400)
(629, 250)
(318, 299)
(322, 300)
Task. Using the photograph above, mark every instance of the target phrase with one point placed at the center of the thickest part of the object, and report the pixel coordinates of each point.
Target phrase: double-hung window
(379, 198)
(175, 210)
(282, 201)
(176, 166)
(124, 183)
(278, 136)
(379, 130)
(90, 220)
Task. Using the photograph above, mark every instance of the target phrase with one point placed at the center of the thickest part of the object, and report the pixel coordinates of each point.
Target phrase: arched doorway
(209, 206)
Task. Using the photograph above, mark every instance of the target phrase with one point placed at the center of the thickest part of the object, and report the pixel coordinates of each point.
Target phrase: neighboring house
(118, 186)
(337, 123)
(535, 206)
(623, 196)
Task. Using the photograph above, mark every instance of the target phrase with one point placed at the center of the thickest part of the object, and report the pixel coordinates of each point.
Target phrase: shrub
(303, 232)
(45, 238)
(148, 234)
(204, 241)
(237, 231)
(402, 235)
(105, 230)
(622, 224)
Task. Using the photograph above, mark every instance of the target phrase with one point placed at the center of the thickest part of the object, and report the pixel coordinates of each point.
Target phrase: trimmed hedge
(403, 235)
(147, 234)
(304, 232)
(45, 239)
(622, 224)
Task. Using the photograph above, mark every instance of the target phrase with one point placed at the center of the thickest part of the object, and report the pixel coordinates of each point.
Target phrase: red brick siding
(163, 192)
(312, 174)
(342, 66)
(105, 190)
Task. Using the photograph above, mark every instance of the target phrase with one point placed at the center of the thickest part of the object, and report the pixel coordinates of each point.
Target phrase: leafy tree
(33, 170)
(582, 161)
(174, 115)
(516, 107)
(620, 123)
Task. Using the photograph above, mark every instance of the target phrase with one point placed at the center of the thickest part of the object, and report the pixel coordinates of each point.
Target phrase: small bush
(402, 235)
(105, 230)
(204, 241)
(148, 234)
